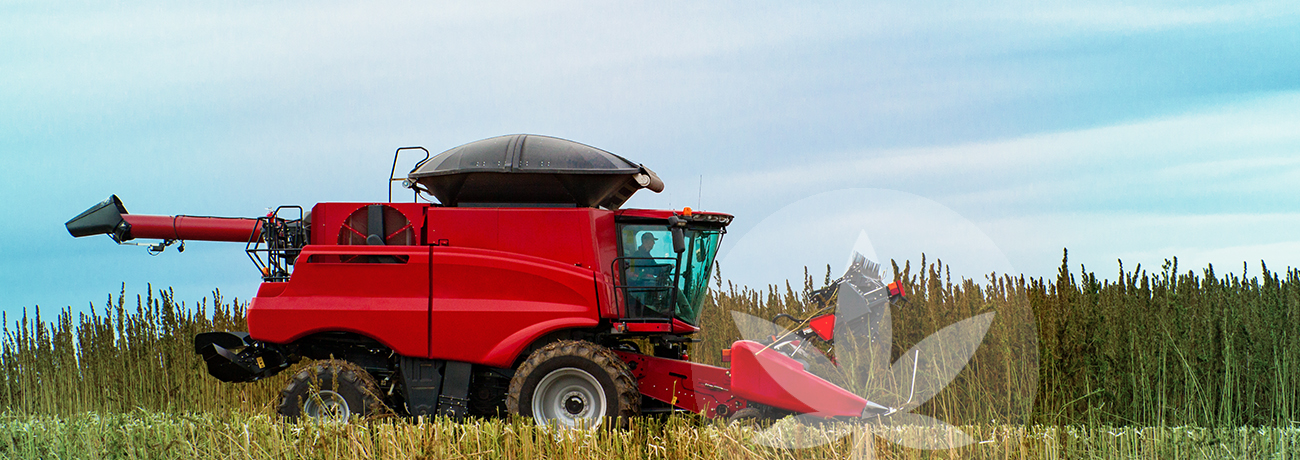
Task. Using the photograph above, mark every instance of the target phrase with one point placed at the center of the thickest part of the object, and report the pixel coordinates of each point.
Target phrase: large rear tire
(574, 384)
(330, 391)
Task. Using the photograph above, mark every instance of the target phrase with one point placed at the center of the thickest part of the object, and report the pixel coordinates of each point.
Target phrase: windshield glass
(697, 261)
(655, 285)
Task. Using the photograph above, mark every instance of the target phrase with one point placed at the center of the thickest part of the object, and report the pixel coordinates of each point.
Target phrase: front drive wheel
(575, 384)
(330, 391)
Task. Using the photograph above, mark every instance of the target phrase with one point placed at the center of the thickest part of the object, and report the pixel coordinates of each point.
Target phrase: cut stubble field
(152, 435)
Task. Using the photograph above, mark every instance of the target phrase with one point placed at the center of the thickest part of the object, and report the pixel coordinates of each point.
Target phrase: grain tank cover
(527, 169)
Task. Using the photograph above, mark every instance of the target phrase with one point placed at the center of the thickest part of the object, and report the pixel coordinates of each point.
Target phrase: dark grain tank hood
(527, 169)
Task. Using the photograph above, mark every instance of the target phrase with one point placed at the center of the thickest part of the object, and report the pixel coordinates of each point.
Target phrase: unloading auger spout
(110, 217)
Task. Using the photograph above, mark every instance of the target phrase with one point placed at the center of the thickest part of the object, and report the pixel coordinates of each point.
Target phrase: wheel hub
(571, 397)
(327, 406)
(574, 404)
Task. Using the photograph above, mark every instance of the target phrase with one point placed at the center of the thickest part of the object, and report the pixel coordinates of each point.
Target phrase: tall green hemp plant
(862, 342)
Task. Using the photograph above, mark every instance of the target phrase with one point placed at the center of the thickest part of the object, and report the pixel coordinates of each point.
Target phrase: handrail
(393, 171)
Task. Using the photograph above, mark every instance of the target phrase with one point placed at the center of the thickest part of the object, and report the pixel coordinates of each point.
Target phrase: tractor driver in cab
(643, 269)
(647, 244)
(645, 275)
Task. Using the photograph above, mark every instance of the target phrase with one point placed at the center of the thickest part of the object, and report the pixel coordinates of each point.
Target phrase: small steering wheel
(665, 276)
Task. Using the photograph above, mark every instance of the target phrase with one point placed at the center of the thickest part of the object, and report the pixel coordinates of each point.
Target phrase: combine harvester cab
(526, 289)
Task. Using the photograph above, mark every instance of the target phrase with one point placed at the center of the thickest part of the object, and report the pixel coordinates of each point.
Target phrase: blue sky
(1119, 130)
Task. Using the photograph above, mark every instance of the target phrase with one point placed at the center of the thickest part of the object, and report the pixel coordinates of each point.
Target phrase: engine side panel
(378, 291)
(489, 305)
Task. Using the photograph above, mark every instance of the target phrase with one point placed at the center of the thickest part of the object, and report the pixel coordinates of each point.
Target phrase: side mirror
(679, 236)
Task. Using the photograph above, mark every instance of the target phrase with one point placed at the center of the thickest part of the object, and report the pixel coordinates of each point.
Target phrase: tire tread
(344, 372)
(628, 395)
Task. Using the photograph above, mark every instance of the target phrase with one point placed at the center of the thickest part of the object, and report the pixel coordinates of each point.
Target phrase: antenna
(699, 193)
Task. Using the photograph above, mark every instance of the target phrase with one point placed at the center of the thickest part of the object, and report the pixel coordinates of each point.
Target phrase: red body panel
(489, 305)
(233, 229)
(564, 235)
(488, 283)
(675, 327)
(605, 238)
(768, 377)
(326, 294)
(699, 388)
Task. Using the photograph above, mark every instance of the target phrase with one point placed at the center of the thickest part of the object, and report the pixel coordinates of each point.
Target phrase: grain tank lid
(532, 169)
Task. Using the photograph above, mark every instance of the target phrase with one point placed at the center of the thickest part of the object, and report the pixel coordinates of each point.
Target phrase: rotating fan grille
(396, 228)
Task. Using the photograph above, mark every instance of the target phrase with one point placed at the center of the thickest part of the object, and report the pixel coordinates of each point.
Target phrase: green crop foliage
(119, 359)
(1164, 364)
(1149, 349)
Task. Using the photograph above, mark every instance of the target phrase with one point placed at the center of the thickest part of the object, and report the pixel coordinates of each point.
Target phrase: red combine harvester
(525, 289)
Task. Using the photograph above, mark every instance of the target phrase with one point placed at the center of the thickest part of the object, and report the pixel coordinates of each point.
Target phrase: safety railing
(646, 287)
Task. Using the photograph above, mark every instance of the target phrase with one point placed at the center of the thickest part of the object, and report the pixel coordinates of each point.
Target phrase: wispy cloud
(1000, 111)
(1127, 16)
(1221, 147)
(1210, 187)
